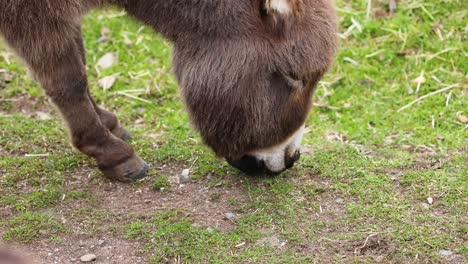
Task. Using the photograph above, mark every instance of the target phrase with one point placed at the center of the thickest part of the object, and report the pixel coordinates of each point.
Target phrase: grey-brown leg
(63, 77)
(108, 118)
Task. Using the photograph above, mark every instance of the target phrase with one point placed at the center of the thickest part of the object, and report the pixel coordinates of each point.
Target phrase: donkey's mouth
(252, 166)
(273, 160)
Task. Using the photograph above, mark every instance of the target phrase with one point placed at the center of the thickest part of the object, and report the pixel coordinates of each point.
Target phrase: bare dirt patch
(120, 204)
(203, 204)
(374, 245)
(30, 106)
(331, 204)
(108, 250)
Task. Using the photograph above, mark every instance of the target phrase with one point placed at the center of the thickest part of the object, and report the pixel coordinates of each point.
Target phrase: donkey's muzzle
(250, 165)
(254, 166)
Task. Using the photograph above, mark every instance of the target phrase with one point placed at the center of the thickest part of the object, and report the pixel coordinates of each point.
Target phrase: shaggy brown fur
(234, 60)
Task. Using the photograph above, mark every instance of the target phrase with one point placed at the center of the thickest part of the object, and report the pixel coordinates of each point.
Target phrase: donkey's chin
(273, 160)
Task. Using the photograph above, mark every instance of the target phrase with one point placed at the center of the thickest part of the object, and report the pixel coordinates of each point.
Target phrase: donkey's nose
(254, 166)
(250, 165)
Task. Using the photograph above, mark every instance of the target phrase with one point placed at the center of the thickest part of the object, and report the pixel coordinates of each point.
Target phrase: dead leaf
(407, 52)
(127, 41)
(107, 82)
(335, 137)
(419, 80)
(43, 116)
(139, 121)
(139, 40)
(437, 26)
(154, 136)
(105, 34)
(107, 60)
(463, 119)
(392, 6)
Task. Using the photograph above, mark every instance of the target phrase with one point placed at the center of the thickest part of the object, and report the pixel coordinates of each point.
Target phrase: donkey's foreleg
(63, 77)
(107, 118)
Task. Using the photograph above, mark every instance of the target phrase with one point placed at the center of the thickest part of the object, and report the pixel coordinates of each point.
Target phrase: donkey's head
(247, 77)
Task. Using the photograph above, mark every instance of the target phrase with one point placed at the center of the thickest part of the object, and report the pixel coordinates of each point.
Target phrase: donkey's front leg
(108, 119)
(64, 80)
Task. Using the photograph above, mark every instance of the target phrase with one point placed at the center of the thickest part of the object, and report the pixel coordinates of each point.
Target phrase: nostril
(289, 160)
(297, 155)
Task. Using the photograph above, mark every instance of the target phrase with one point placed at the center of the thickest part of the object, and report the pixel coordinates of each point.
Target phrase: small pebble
(445, 252)
(7, 77)
(230, 216)
(430, 200)
(339, 201)
(367, 83)
(49, 164)
(101, 242)
(88, 258)
(425, 206)
(108, 188)
(184, 176)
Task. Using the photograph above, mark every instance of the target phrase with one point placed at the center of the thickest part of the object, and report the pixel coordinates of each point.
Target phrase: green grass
(28, 227)
(161, 184)
(368, 172)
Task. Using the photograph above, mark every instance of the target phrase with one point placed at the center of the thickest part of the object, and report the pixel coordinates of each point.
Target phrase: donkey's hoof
(122, 133)
(130, 170)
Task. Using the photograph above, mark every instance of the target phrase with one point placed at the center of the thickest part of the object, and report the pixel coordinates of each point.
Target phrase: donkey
(247, 70)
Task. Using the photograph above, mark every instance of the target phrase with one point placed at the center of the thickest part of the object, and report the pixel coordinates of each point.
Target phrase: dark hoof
(130, 170)
(125, 136)
(121, 133)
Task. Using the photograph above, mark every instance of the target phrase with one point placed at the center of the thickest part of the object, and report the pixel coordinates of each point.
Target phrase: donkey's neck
(176, 18)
